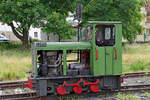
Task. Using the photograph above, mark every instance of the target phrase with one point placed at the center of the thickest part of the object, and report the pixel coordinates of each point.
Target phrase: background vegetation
(15, 61)
(50, 16)
(126, 11)
(136, 58)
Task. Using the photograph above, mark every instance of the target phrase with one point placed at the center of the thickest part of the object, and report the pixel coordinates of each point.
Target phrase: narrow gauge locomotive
(97, 67)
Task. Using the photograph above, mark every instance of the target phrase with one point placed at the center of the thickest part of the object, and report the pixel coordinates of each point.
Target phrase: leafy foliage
(54, 20)
(126, 11)
(51, 15)
(57, 24)
(22, 14)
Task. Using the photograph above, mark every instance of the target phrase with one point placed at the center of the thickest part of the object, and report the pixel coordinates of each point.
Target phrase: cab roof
(104, 22)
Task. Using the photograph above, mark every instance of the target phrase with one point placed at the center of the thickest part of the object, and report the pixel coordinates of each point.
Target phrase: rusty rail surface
(11, 85)
(135, 87)
(17, 96)
(136, 74)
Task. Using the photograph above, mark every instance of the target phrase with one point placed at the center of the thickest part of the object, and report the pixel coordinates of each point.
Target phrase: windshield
(105, 35)
(87, 33)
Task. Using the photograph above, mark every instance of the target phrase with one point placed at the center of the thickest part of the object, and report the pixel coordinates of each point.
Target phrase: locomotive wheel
(61, 90)
(94, 88)
(77, 89)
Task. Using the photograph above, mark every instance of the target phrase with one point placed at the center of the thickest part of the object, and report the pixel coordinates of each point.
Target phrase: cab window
(87, 33)
(105, 35)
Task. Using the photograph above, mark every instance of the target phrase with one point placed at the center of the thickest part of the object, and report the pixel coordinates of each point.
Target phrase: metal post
(144, 36)
(79, 18)
(78, 32)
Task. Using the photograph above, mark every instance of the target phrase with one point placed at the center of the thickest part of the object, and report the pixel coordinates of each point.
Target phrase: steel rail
(135, 74)
(18, 95)
(13, 82)
(11, 85)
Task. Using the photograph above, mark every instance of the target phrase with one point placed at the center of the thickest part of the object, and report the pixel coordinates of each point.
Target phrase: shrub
(139, 66)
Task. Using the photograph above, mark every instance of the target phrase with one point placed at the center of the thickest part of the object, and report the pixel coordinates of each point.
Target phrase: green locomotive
(97, 67)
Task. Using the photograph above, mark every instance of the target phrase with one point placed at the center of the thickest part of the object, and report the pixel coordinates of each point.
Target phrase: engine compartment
(50, 63)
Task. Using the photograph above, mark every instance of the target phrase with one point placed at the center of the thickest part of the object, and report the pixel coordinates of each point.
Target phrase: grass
(127, 97)
(147, 94)
(136, 58)
(15, 61)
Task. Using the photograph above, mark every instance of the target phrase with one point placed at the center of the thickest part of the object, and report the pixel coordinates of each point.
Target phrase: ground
(136, 57)
(15, 61)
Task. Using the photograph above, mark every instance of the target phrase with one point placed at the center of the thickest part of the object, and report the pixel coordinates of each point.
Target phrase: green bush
(36, 40)
(139, 66)
(10, 45)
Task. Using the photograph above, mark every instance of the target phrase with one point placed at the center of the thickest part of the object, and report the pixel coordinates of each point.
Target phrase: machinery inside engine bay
(51, 63)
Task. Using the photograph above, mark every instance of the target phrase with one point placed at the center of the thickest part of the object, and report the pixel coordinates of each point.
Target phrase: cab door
(105, 49)
(109, 60)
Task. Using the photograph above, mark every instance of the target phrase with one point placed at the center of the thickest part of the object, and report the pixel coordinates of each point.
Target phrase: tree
(51, 15)
(55, 18)
(27, 13)
(20, 15)
(56, 24)
(148, 5)
(126, 11)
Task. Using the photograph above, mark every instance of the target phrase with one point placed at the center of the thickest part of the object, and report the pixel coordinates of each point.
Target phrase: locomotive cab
(107, 52)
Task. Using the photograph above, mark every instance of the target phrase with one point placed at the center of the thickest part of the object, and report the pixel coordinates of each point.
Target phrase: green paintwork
(109, 52)
(64, 62)
(117, 64)
(104, 22)
(99, 68)
(66, 46)
(106, 64)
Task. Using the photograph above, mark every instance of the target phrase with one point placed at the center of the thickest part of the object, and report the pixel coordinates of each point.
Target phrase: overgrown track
(33, 96)
(137, 74)
(135, 87)
(19, 84)
(18, 96)
(11, 85)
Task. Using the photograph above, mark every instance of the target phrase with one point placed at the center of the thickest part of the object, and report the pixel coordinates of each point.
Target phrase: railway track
(11, 85)
(17, 96)
(33, 96)
(19, 84)
(136, 74)
(135, 87)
